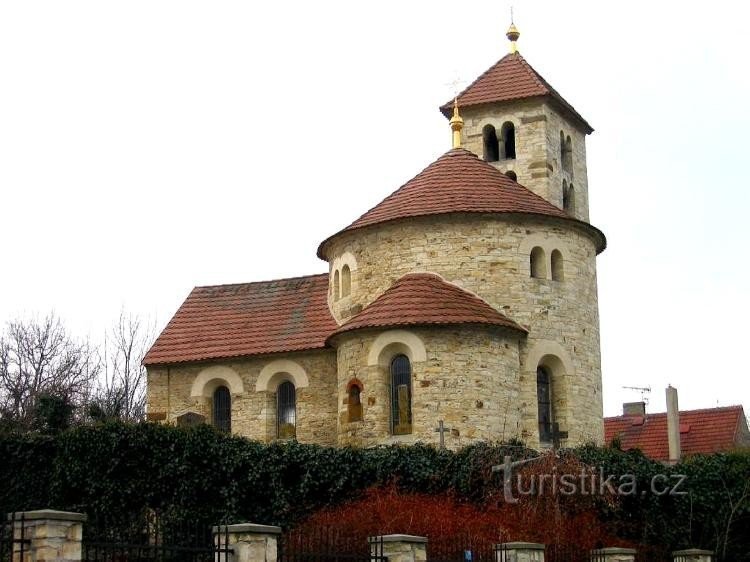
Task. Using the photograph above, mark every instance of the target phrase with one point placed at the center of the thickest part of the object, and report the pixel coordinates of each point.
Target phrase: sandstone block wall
(469, 379)
(253, 412)
(489, 255)
(537, 164)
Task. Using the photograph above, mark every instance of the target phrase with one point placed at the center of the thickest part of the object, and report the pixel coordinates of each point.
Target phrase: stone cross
(441, 429)
(557, 436)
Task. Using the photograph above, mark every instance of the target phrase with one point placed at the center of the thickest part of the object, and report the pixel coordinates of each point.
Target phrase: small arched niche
(491, 144)
(354, 400)
(346, 281)
(556, 261)
(569, 198)
(508, 135)
(336, 286)
(537, 263)
(512, 175)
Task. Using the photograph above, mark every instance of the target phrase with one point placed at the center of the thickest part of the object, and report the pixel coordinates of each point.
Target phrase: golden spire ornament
(457, 123)
(513, 34)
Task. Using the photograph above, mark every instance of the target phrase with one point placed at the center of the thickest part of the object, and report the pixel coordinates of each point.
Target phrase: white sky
(150, 146)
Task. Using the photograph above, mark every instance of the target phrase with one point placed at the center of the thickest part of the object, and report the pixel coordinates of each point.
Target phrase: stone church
(462, 307)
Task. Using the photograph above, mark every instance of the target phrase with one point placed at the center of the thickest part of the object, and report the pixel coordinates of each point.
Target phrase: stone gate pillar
(249, 542)
(399, 548)
(693, 555)
(520, 552)
(51, 535)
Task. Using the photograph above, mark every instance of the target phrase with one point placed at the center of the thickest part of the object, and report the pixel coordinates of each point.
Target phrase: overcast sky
(150, 146)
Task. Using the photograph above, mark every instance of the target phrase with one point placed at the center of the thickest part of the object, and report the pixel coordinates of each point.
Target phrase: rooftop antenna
(642, 389)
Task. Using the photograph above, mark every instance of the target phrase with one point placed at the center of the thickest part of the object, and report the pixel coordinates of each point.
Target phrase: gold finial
(513, 34)
(457, 123)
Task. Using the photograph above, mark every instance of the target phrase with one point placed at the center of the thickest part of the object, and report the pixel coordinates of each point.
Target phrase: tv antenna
(642, 389)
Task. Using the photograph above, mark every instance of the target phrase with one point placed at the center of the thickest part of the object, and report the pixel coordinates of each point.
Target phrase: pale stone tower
(520, 124)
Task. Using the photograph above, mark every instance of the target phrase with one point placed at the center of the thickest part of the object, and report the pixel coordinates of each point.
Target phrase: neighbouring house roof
(701, 431)
(512, 78)
(246, 319)
(426, 299)
(460, 182)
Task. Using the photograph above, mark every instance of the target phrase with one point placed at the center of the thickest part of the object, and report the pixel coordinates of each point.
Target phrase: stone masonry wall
(489, 255)
(254, 413)
(537, 164)
(469, 379)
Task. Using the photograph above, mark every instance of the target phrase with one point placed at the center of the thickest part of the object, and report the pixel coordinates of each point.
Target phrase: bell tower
(520, 124)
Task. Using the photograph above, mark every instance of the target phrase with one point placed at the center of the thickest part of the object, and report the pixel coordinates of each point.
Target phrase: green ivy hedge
(112, 470)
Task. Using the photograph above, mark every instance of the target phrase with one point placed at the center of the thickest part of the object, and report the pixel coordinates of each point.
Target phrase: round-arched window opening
(222, 409)
(401, 395)
(286, 411)
(512, 175)
(491, 144)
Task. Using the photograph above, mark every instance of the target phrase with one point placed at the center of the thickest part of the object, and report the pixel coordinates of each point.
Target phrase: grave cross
(441, 429)
(557, 436)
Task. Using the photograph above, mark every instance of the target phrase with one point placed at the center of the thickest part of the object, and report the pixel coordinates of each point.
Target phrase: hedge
(112, 470)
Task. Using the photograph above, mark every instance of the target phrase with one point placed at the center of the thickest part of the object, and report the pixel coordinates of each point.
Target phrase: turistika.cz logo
(589, 481)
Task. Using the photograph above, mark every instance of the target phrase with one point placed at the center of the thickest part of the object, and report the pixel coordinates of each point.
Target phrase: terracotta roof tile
(247, 319)
(701, 431)
(426, 299)
(458, 182)
(511, 78)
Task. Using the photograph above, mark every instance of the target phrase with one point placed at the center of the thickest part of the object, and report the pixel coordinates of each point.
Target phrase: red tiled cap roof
(511, 78)
(426, 299)
(460, 182)
(247, 319)
(701, 431)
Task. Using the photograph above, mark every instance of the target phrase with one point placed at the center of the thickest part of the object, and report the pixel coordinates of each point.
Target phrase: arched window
(286, 411)
(400, 395)
(512, 175)
(508, 134)
(346, 281)
(568, 154)
(354, 402)
(336, 286)
(557, 266)
(562, 150)
(491, 144)
(538, 265)
(569, 200)
(544, 403)
(222, 409)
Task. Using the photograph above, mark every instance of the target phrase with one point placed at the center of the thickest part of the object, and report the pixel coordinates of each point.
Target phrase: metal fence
(329, 545)
(149, 538)
(14, 541)
(466, 548)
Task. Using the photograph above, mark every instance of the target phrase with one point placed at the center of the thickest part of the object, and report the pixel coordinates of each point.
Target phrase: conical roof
(511, 78)
(459, 182)
(425, 299)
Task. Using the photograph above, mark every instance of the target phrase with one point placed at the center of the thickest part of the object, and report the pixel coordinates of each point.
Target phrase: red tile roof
(701, 431)
(426, 299)
(459, 182)
(511, 78)
(247, 319)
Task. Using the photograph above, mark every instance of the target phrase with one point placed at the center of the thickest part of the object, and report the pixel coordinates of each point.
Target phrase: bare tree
(38, 358)
(122, 392)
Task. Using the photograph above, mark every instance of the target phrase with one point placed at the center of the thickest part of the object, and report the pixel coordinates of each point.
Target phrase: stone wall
(489, 255)
(170, 392)
(537, 164)
(468, 377)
